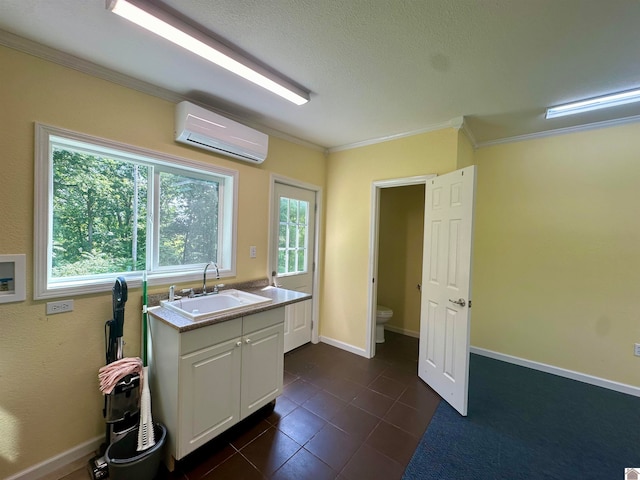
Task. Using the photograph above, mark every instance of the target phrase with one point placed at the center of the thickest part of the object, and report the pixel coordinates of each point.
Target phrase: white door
(446, 282)
(292, 256)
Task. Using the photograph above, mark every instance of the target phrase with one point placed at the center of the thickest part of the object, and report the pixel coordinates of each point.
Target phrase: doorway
(396, 277)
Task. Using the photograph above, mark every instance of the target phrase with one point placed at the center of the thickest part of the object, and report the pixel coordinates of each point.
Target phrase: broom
(146, 436)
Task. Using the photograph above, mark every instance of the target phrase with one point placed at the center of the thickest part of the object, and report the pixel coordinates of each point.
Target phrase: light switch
(252, 252)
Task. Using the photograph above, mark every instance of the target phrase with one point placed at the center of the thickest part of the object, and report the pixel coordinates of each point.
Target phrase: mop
(146, 436)
(111, 374)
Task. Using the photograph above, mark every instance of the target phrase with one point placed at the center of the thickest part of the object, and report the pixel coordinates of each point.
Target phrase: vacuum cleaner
(122, 406)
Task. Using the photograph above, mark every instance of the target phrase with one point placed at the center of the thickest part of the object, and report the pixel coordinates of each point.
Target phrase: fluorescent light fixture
(156, 20)
(613, 100)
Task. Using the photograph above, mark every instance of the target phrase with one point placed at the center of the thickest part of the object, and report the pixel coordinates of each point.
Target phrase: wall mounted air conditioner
(202, 128)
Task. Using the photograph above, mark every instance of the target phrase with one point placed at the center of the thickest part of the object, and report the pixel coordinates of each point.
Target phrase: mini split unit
(202, 128)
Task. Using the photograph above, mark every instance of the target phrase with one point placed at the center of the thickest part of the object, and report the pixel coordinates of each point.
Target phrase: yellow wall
(400, 246)
(556, 251)
(49, 399)
(466, 154)
(350, 175)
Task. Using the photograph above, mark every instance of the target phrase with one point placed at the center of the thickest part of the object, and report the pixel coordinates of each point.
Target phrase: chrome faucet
(204, 278)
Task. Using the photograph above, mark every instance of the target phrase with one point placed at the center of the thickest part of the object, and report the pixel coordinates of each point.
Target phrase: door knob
(460, 302)
(247, 341)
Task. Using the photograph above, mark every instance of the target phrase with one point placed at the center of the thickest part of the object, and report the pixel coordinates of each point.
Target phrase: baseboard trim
(403, 331)
(59, 461)
(344, 346)
(561, 372)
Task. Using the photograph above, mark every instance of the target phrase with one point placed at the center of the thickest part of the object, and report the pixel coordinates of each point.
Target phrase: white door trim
(370, 348)
(276, 178)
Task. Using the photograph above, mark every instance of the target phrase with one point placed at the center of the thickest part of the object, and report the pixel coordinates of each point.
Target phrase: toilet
(383, 315)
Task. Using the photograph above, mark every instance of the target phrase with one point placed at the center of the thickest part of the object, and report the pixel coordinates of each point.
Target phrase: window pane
(302, 236)
(282, 236)
(284, 209)
(291, 261)
(188, 220)
(293, 211)
(292, 237)
(304, 207)
(282, 261)
(99, 214)
(301, 261)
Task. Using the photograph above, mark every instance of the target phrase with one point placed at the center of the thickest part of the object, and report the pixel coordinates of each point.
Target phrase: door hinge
(469, 303)
(313, 267)
(315, 208)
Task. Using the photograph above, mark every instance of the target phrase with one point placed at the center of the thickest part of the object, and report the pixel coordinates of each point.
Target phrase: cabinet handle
(238, 343)
(248, 340)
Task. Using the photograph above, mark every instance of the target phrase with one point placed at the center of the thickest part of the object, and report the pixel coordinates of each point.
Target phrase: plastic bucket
(126, 463)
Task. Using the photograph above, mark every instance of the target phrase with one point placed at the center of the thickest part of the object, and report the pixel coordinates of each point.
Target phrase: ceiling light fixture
(613, 100)
(158, 21)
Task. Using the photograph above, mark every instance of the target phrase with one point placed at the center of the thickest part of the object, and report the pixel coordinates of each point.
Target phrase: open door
(446, 286)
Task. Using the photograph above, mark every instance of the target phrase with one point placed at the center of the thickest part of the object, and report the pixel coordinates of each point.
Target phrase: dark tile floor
(341, 416)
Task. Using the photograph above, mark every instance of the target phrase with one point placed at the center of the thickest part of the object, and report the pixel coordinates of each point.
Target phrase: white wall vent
(202, 128)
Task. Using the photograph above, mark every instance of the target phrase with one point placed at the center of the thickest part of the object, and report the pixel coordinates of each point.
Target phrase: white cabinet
(209, 393)
(262, 367)
(204, 381)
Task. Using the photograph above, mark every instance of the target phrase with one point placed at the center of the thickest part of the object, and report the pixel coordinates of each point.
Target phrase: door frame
(376, 186)
(276, 178)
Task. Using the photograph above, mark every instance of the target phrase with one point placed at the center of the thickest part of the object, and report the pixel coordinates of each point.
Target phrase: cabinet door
(209, 394)
(262, 367)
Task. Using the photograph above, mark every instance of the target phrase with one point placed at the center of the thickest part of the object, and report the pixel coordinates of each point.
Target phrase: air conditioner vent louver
(202, 128)
(221, 150)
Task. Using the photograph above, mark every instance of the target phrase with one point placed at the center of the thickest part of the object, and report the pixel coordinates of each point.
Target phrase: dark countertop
(280, 297)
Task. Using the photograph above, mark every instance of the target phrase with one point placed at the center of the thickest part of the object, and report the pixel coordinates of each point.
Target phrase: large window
(105, 209)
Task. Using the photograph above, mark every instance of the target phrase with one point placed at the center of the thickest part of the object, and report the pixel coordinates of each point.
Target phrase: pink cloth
(110, 374)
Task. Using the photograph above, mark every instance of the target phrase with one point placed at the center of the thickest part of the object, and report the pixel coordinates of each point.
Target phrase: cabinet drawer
(261, 320)
(206, 336)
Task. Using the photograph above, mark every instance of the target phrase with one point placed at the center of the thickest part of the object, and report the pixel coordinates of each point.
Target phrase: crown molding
(454, 123)
(560, 131)
(58, 57)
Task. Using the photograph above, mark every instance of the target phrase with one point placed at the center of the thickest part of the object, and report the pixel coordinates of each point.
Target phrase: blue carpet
(526, 424)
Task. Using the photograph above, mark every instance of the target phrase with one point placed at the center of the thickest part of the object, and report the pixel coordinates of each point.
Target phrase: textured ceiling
(375, 68)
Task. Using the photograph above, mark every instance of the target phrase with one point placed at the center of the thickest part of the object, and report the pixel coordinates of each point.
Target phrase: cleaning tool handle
(119, 298)
(144, 318)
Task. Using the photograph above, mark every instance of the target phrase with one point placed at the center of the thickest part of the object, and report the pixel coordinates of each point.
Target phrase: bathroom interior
(400, 249)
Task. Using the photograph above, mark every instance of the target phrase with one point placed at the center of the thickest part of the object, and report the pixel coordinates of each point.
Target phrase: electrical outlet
(59, 307)
(252, 252)
(636, 349)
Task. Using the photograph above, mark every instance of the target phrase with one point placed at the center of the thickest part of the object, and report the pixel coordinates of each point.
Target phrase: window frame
(46, 136)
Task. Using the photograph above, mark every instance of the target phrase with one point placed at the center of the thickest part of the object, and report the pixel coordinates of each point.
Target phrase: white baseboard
(403, 331)
(59, 461)
(561, 372)
(344, 346)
